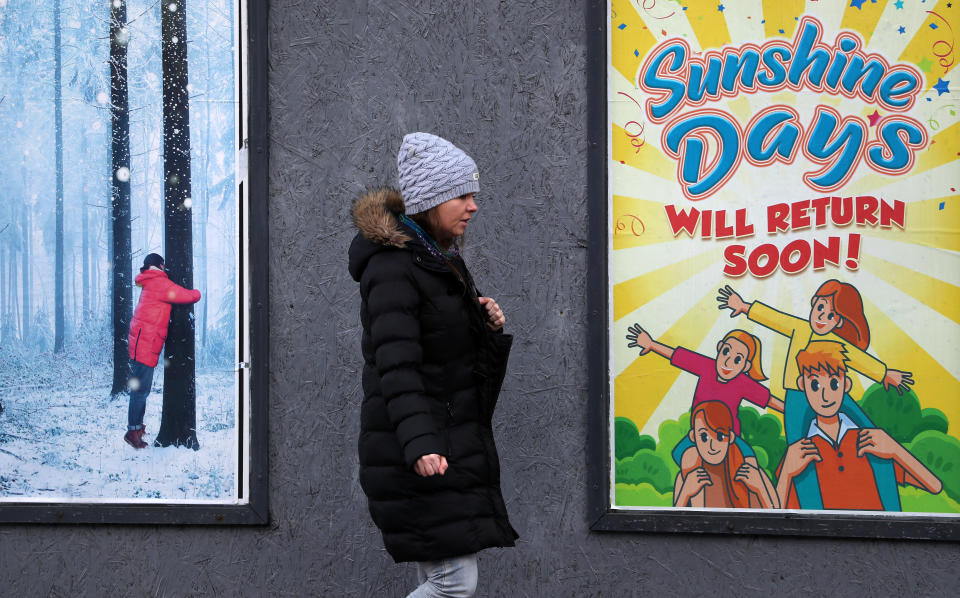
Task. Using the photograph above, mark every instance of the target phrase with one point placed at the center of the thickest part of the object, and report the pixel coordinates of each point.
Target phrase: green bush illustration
(898, 414)
(627, 439)
(641, 495)
(915, 500)
(670, 432)
(941, 454)
(933, 419)
(645, 466)
(764, 434)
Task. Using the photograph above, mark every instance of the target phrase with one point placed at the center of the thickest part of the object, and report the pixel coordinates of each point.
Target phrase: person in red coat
(148, 331)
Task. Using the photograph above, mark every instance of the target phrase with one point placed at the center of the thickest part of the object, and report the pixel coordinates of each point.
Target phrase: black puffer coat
(432, 372)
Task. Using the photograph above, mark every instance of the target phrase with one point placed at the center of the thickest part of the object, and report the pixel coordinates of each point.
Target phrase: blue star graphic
(899, 4)
(720, 7)
(902, 30)
(857, 4)
(941, 87)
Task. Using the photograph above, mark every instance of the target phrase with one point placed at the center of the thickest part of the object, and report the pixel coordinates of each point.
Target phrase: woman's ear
(693, 438)
(839, 320)
(747, 365)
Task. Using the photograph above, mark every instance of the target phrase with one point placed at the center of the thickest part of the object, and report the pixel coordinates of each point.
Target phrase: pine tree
(120, 195)
(178, 420)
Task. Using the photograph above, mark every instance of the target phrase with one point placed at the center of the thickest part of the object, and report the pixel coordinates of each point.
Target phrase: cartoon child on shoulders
(840, 457)
(719, 476)
(732, 377)
(836, 314)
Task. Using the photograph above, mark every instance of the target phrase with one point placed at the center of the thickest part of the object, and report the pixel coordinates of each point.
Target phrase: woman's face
(452, 216)
(823, 318)
(712, 445)
(732, 359)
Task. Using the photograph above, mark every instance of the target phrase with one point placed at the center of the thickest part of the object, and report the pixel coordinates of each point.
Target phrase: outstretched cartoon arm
(877, 442)
(730, 299)
(898, 379)
(639, 337)
(775, 403)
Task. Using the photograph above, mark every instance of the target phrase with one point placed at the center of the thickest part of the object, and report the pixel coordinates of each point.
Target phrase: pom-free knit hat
(431, 170)
(152, 259)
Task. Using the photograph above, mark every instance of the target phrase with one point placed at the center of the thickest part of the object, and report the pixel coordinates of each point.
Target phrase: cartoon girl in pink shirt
(733, 376)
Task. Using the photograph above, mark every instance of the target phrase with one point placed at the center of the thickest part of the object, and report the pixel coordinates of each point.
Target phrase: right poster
(782, 251)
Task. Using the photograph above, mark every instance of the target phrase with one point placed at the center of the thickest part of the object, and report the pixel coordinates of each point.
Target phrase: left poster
(123, 288)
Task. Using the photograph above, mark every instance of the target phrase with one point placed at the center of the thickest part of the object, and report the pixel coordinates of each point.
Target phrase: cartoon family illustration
(836, 458)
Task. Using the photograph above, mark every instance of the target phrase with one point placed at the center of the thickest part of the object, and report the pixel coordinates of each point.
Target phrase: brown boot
(140, 433)
(135, 438)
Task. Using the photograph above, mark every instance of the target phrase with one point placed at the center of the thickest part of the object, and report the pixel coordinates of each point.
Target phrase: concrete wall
(506, 81)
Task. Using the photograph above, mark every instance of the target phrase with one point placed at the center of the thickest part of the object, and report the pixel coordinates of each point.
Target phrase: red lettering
(820, 205)
(799, 218)
(841, 211)
(894, 214)
(743, 229)
(736, 264)
(769, 266)
(777, 218)
(706, 224)
(724, 230)
(824, 254)
(682, 220)
(867, 210)
(793, 266)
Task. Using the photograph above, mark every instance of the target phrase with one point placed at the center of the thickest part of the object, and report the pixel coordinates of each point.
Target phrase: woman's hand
(429, 465)
(495, 317)
(729, 299)
(899, 380)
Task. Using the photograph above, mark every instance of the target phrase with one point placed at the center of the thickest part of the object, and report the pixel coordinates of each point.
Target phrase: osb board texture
(506, 81)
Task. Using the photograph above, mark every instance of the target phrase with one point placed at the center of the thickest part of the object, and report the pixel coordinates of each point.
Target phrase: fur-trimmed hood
(375, 214)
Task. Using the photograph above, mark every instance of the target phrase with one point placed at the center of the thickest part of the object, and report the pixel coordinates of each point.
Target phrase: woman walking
(434, 359)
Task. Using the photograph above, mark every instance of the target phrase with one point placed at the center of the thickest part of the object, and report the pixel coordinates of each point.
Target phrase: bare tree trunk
(122, 304)
(4, 308)
(85, 239)
(58, 118)
(178, 420)
(25, 222)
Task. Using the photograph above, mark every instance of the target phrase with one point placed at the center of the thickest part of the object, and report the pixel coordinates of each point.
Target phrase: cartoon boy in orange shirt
(835, 447)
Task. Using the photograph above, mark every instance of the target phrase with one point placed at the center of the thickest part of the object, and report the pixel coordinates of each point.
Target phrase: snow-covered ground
(66, 443)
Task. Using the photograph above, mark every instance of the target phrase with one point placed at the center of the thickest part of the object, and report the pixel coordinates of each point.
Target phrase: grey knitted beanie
(431, 170)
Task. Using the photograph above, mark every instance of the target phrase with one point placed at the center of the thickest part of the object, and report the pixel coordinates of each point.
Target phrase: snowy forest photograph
(120, 289)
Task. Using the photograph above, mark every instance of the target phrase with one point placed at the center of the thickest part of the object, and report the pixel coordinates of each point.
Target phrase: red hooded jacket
(148, 329)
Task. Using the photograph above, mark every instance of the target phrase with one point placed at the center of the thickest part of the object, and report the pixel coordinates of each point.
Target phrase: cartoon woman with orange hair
(720, 477)
(836, 314)
(732, 377)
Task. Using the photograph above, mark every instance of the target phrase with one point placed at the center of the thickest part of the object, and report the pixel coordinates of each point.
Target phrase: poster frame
(601, 514)
(252, 120)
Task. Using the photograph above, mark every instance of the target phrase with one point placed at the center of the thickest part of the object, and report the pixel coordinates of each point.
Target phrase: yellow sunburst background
(909, 279)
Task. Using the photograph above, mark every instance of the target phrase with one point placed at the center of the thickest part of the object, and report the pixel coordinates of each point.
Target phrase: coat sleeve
(393, 307)
(175, 293)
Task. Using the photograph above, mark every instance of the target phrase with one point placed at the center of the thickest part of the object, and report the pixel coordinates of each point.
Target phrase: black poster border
(601, 515)
(253, 251)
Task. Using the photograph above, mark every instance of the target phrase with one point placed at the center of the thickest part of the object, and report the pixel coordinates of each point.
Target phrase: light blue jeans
(453, 578)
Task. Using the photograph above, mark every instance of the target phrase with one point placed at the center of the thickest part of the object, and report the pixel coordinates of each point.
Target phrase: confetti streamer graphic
(634, 222)
(637, 139)
(943, 49)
